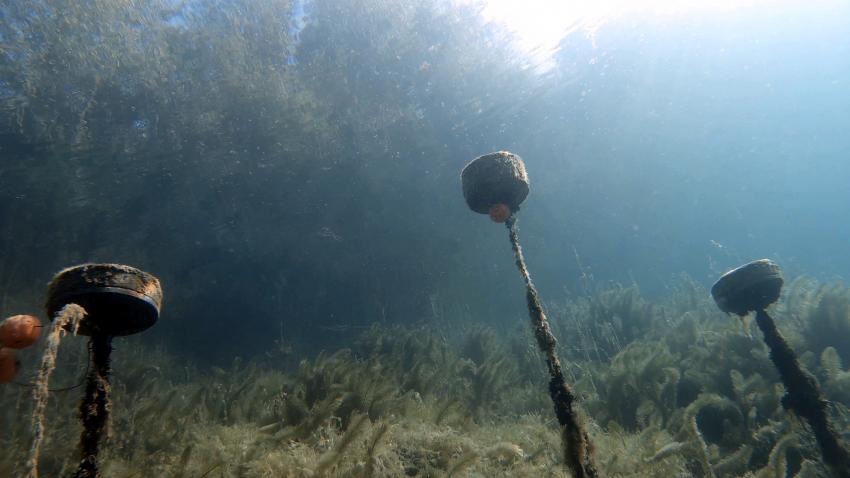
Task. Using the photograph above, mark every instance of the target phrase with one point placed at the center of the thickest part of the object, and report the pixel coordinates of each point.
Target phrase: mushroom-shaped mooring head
(749, 288)
(495, 178)
(119, 300)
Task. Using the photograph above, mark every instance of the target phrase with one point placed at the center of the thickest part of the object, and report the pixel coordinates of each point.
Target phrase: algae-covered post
(110, 300)
(754, 287)
(496, 184)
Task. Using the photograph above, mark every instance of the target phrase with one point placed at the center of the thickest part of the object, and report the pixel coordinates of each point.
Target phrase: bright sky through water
(540, 24)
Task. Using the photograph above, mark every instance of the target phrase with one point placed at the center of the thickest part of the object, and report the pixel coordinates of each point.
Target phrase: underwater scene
(432, 238)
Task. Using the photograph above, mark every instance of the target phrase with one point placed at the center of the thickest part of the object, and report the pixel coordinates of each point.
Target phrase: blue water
(693, 144)
(299, 164)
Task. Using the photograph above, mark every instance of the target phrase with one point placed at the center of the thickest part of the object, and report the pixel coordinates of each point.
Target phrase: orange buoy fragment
(20, 331)
(500, 212)
(8, 365)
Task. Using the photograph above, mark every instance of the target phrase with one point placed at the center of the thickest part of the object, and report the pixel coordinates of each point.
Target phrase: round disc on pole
(495, 178)
(748, 288)
(119, 300)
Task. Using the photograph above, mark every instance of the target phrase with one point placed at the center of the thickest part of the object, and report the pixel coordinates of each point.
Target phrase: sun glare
(540, 24)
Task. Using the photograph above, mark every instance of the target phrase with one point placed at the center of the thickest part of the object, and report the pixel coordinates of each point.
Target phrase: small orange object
(9, 365)
(500, 212)
(20, 331)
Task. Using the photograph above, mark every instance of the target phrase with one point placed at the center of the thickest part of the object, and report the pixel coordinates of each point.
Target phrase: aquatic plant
(836, 378)
(600, 325)
(367, 417)
(825, 309)
(638, 389)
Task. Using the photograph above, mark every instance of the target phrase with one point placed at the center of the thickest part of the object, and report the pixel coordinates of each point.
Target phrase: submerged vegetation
(693, 393)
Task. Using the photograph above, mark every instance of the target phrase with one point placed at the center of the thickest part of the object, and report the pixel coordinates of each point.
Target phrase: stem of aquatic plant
(578, 450)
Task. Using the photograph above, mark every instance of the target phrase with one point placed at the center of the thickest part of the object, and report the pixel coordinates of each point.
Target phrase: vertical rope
(95, 408)
(67, 318)
(578, 450)
(803, 397)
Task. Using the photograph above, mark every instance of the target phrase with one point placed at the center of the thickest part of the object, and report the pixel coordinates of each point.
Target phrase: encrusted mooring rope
(803, 397)
(94, 411)
(578, 450)
(66, 319)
